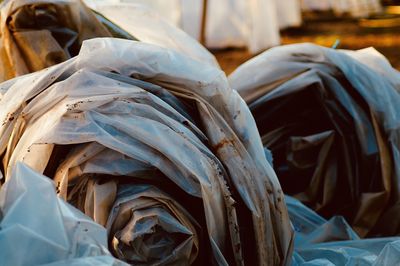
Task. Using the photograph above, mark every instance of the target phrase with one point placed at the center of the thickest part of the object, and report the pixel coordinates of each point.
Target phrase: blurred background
(236, 30)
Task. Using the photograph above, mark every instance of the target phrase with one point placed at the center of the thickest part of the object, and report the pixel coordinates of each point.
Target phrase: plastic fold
(39, 228)
(155, 146)
(330, 119)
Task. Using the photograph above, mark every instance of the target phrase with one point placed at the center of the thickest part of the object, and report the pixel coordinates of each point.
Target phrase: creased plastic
(135, 113)
(319, 242)
(38, 34)
(38, 228)
(332, 124)
(146, 25)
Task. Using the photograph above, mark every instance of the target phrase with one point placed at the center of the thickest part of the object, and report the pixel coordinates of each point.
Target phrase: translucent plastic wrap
(38, 228)
(332, 123)
(38, 34)
(146, 25)
(134, 113)
(145, 225)
(319, 242)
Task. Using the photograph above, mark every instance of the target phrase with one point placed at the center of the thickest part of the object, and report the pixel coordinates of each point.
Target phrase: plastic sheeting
(142, 22)
(139, 114)
(333, 242)
(145, 225)
(332, 124)
(253, 24)
(230, 23)
(30, 236)
(38, 34)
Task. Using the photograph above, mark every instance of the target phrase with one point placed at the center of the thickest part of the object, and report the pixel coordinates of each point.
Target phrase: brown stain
(222, 144)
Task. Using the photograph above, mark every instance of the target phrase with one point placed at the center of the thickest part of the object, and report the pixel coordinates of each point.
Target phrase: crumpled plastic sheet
(39, 228)
(134, 114)
(311, 228)
(144, 223)
(38, 34)
(146, 25)
(332, 124)
(321, 242)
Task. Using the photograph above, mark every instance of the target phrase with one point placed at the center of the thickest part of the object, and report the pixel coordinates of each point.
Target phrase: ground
(325, 29)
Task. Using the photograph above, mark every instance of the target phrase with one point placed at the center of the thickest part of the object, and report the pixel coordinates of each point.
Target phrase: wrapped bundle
(30, 236)
(38, 34)
(333, 127)
(146, 226)
(156, 147)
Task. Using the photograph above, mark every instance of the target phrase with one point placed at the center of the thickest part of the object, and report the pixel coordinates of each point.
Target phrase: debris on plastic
(156, 147)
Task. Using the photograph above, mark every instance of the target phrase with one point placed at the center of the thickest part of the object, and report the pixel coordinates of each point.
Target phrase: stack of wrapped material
(332, 122)
(156, 147)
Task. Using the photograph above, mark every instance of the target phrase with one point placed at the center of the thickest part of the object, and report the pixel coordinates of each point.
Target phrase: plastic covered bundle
(332, 124)
(130, 113)
(38, 34)
(30, 236)
(146, 226)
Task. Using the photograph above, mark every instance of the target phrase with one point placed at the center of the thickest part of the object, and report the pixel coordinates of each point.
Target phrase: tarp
(39, 228)
(138, 113)
(332, 124)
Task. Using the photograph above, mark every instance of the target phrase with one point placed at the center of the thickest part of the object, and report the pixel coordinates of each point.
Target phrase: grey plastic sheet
(331, 120)
(39, 228)
(134, 113)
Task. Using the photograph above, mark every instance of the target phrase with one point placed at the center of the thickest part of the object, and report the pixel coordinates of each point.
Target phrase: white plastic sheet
(254, 24)
(230, 23)
(121, 102)
(38, 228)
(142, 20)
